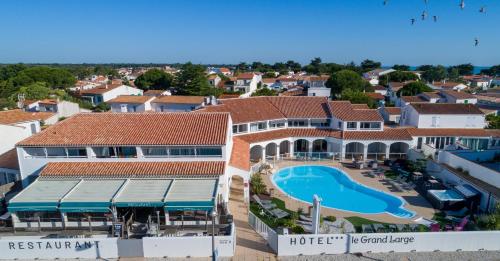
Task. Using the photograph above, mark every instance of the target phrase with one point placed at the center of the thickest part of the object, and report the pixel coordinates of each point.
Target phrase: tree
(269, 75)
(493, 121)
(293, 66)
(413, 88)
(191, 80)
(434, 73)
(154, 79)
(346, 79)
(9, 71)
(54, 77)
(453, 74)
(357, 97)
(463, 69)
(492, 71)
(401, 67)
(397, 76)
(368, 65)
(265, 92)
(35, 91)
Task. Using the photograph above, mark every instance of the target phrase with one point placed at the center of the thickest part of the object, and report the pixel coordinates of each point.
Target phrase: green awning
(41, 195)
(143, 193)
(91, 196)
(191, 194)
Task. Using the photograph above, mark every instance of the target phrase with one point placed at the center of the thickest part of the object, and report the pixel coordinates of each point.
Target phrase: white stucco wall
(12, 134)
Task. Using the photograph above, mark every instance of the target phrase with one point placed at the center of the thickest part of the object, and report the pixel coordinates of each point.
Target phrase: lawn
(358, 221)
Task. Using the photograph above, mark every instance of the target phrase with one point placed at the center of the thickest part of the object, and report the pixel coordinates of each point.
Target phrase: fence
(264, 230)
(308, 244)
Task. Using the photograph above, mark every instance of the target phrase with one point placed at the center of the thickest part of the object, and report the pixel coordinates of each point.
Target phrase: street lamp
(214, 215)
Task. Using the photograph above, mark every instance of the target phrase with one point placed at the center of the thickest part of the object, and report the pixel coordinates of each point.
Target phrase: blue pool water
(337, 191)
(447, 194)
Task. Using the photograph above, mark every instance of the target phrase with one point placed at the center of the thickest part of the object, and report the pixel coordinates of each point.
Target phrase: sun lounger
(393, 228)
(262, 204)
(367, 228)
(302, 217)
(425, 221)
(401, 227)
(302, 222)
(379, 228)
(278, 213)
(395, 184)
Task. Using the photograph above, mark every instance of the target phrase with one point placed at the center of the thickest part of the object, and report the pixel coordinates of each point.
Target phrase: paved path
(249, 244)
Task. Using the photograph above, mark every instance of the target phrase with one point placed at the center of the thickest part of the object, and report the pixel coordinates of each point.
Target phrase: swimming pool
(337, 191)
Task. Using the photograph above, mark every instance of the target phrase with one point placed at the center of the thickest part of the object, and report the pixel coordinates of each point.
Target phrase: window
(208, 151)
(320, 122)
(181, 151)
(352, 125)
(340, 125)
(155, 151)
(298, 123)
(33, 128)
(240, 128)
(370, 125)
(35, 152)
(258, 126)
(277, 124)
(56, 152)
(115, 152)
(77, 152)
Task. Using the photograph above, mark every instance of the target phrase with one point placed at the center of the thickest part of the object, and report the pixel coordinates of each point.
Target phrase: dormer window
(370, 125)
(352, 125)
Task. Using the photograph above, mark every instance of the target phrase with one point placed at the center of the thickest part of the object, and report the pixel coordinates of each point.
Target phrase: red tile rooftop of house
(88, 129)
(15, 116)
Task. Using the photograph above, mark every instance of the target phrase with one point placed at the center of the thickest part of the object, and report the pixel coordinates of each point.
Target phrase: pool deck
(415, 202)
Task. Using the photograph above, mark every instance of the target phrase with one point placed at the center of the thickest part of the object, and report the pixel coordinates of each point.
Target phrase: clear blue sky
(230, 31)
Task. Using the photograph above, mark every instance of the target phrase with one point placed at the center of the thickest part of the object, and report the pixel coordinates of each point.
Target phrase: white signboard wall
(291, 245)
(58, 248)
(187, 246)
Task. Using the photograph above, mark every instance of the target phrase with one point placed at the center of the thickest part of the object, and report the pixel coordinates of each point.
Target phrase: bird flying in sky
(462, 4)
(435, 18)
(412, 21)
(483, 9)
(424, 15)
(476, 41)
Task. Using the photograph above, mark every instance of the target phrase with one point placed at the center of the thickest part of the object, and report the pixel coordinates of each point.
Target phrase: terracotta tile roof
(48, 101)
(15, 116)
(360, 106)
(269, 80)
(286, 133)
(245, 76)
(319, 78)
(268, 108)
(179, 99)
(240, 155)
(229, 96)
(101, 129)
(133, 169)
(301, 107)
(386, 134)
(344, 111)
(446, 85)
(458, 95)
(375, 95)
(247, 109)
(224, 70)
(298, 92)
(154, 92)
(101, 89)
(395, 86)
(379, 88)
(130, 99)
(446, 108)
(453, 132)
(212, 76)
(8, 160)
(393, 110)
(413, 99)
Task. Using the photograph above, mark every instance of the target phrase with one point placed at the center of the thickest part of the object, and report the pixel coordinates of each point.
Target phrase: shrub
(257, 185)
(330, 218)
(298, 230)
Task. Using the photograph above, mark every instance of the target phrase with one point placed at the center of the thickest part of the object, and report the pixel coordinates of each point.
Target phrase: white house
(157, 93)
(131, 103)
(458, 97)
(177, 103)
(107, 92)
(380, 89)
(373, 76)
(214, 80)
(442, 115)
(60, 107)
(247, 83)
(391, 115)
(319, 91)
(445, 85)
(16, 125)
